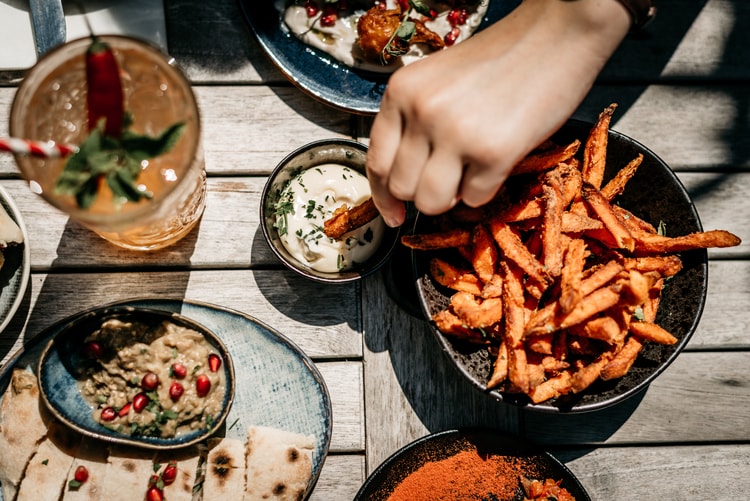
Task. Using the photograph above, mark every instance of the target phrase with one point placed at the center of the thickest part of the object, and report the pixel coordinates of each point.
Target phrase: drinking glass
(50, 104)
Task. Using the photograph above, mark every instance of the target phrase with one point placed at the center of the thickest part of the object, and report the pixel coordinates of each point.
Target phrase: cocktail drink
(169, 188)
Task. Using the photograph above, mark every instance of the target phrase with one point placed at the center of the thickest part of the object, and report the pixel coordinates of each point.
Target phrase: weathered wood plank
(700, 391)
(229, 234)
(340, 478)
(325, 322)
(682, 472)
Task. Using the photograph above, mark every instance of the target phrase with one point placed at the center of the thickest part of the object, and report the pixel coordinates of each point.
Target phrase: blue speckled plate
(15, 272)
(320, 75)
(277, 384)
(62, 363)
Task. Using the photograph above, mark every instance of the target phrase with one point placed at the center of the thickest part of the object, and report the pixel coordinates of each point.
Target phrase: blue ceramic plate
(320, 75)
(14, 274)
(63, 360)
(277, 385)
(508, 450)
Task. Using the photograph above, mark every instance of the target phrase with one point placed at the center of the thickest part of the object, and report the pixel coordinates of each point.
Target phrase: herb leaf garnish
(117, 161)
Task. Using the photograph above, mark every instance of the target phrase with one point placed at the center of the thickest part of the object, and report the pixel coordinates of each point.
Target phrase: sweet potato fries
(560, 283)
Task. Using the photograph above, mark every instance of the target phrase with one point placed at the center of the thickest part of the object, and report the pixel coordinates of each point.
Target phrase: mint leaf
(116, 161)
(144, 147)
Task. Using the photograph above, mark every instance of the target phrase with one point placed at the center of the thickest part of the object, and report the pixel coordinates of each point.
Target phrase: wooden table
(683, 90)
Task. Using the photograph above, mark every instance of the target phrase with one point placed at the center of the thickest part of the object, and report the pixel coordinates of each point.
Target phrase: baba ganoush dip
(308, 200)
(152, 381)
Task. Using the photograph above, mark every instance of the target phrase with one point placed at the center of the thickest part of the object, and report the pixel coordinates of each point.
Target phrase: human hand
(452, 126)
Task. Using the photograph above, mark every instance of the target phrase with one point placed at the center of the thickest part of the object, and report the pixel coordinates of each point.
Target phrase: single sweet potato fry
(483, 253)
(603, 210)
(544, 160)
(499, 367)
(595, 150)
(657, 244)
(345, 220)
(551, 388)
(616, 185)
(477, 313)
(454, 278)
(552, 247)
(514, 249)
(571, 275)
(649, 331)
(433, 241)
(622, 361)
(513, 303)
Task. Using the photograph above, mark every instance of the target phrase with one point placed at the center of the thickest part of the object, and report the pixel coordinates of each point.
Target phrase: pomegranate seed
(381, 5)
(140, 401)
(451, 37)
(108, 414)
(94, 350)
(311, 8)
(124, 410)
(214, 362)
(150, 381)
(458, 17)
(329, 16)
(81, 474)
(202, 385)
(175, 391)
(154, 494)
(169, 474)
(433, 14)
(179, 371)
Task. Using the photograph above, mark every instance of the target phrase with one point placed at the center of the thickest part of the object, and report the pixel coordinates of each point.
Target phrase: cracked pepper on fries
(560, 283)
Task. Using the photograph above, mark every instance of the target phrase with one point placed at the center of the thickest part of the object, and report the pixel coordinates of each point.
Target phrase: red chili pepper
(104, 88)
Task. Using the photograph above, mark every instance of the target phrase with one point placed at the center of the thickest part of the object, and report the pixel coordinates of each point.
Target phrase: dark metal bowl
(339, 151)
(656, 195)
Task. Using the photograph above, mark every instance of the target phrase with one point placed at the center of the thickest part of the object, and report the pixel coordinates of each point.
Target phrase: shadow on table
(89, 272)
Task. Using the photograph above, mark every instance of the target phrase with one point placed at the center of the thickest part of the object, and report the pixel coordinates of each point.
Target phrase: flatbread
(22, 427)
(93, 455)
(48, 468)
(128, 472)
(225, 469)
(279, 464)
(187, 466)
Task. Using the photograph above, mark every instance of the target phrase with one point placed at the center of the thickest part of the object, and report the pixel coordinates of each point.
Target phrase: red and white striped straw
(44, 149)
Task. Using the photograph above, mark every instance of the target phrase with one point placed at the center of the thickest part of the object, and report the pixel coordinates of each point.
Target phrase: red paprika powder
(465, 476)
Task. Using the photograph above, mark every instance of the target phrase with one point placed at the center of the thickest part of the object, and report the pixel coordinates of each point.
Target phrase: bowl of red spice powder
(466, 465)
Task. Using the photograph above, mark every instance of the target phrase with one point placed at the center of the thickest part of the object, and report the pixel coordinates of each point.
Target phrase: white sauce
(340, 40)
(308, 200)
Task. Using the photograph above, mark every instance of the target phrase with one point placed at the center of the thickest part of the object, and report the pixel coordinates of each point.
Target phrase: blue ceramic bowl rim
(91, 428)
(270, 195)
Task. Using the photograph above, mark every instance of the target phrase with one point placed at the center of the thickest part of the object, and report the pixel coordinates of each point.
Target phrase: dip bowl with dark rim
(654, 194)
(349, 153)
(63, 366)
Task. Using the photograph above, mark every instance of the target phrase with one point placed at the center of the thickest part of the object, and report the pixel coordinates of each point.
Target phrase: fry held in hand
(560, 283)
(345, 219)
